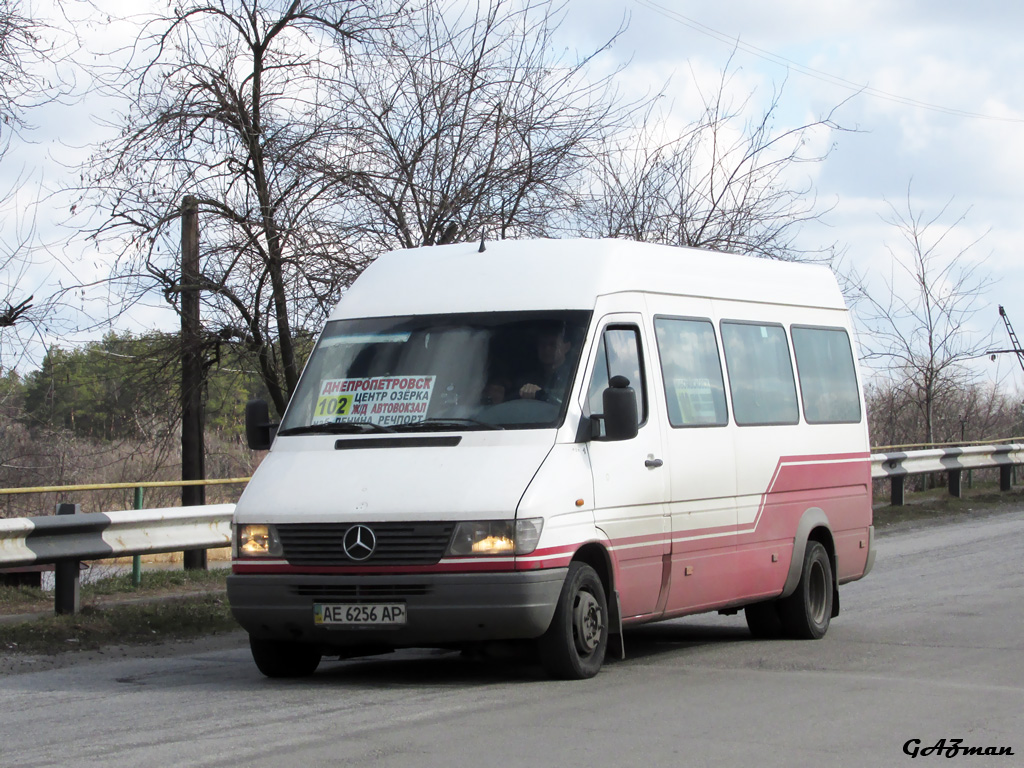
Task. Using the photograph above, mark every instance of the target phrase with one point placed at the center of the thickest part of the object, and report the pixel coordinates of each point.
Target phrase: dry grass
(98, 625)
(168, 604)
(155, 584)
(58, 458)
(938, 504)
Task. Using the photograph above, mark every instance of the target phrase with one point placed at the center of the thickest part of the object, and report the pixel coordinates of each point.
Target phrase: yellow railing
(958, 443)
(123, 486)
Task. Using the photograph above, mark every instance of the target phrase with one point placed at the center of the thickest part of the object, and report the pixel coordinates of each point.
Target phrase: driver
(550, 380)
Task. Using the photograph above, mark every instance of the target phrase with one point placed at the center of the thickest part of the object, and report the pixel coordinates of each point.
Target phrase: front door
(630, 480)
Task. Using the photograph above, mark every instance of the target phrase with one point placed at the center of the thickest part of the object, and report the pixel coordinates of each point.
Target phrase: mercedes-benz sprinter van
(551, 441)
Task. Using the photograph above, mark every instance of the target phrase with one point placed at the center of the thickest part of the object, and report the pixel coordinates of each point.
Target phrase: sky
(931, 96)
(929, 91)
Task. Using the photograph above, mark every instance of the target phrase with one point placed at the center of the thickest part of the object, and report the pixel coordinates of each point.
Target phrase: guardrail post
(897, 492)
(954, 483)
(1006, 477)
(66, 578)
(137, 559)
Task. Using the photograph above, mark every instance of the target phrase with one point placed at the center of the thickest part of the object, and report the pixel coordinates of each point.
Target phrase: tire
(575, 644)
(281, 658)
(806, 613)
(763, 620)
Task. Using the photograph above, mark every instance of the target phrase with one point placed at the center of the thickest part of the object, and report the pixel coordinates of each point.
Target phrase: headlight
(496, 537)
(258, 541)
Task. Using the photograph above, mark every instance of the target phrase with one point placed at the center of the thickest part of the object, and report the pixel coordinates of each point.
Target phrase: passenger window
(760, 374)
(828, 383)
(618, 354)
(692, 371)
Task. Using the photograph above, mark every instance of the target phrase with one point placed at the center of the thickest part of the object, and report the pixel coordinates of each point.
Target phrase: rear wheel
(282, 658)
(574, 646)
(806, 613)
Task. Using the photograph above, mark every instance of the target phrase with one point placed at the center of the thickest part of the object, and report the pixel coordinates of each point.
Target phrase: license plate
(359, 614)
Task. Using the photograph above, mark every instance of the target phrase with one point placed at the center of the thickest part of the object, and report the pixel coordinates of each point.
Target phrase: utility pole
(1013, 337)
(193, 461)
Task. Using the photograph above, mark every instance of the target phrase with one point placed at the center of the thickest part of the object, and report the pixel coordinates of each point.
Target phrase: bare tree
(919, 323)
(227, 106)
(318, 134)
(27, 49)
(724, 183)
(468, 126)
(18, 41)
(19, 309)
(978, 411)
(21, 47)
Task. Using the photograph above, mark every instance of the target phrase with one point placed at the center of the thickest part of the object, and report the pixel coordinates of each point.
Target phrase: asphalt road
(928, 647)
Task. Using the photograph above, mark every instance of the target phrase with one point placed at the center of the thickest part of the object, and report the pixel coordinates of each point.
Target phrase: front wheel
(806, 613)
(282, 658)
(574, 646)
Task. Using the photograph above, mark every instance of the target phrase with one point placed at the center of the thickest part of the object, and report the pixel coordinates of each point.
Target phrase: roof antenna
(482, 247)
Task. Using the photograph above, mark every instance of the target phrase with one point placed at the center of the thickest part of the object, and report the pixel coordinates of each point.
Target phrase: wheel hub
(587, 623)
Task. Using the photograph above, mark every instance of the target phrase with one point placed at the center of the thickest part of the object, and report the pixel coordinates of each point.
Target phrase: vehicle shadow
(662, 638)
(515, 662)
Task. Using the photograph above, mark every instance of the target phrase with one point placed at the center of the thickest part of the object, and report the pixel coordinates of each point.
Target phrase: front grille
(396, 543)
(364, 592)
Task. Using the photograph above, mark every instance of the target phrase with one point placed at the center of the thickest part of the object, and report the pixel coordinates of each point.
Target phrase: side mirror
(620, 422)
(258, 429)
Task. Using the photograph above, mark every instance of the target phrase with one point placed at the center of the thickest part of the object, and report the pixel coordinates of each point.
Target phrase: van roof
(571, 274)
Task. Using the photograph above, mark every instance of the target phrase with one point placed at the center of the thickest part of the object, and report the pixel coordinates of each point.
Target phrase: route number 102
(333, 405)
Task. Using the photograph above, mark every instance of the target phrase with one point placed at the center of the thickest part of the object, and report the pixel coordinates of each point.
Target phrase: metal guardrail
(102, 535)
(70, 536)
(139, 488)
(898, 465)
(66, 539)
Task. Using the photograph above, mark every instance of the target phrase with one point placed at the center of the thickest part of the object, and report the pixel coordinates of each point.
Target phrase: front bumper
(441, 609)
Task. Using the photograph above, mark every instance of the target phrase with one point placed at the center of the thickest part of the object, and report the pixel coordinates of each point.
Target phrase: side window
(690, 366)
(618, 354)
(828, 381)
(760, 374)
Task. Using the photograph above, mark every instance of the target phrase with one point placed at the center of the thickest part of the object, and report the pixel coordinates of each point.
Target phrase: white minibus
(553, 440)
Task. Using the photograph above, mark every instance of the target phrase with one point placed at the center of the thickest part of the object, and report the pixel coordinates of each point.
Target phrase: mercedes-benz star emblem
(359, 542)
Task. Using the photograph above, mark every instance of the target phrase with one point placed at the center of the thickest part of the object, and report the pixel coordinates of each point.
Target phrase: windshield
(494, 370)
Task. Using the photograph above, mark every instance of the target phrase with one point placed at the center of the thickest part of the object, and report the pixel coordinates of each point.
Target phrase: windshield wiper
(335, 428)
(439, 422)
